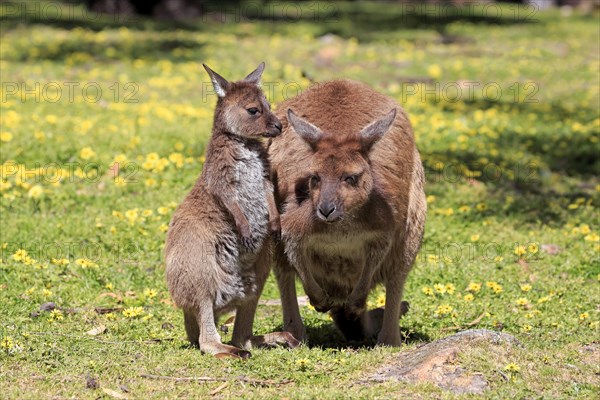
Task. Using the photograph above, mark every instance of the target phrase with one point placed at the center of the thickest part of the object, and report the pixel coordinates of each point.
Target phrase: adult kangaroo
(349, 186)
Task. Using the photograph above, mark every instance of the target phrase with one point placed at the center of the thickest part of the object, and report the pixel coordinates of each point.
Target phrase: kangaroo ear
(307, 131)
(219, 83)
(370, 134)
(254, 76)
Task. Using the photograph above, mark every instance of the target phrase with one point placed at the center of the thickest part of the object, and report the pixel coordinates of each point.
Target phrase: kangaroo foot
(221, 350)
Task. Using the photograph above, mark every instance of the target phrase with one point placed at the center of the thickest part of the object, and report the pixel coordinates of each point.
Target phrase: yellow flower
(434, 71)
(150, 182)
(584, 229)
(163, 227)
(162, 210)
(86, 153)
(512, 367)
(584, 316)
(35, 192)
(464, 209)
(481, 207)
(593, 237)
(303, 362)
(526, 328)
(133, 312)
(450, 288)
(439, 288)
(150, 293)
(427, 291)
(544, 299)
(520, 250)
(526, 287)
(6, 136)
(498, 259)
(109, 286)
(20, 255)
(46, 293)
(444, 309)
(7, 343)
(111, 316)
(432, 258)
(131, 215)
(522, 301)
(56, 315)
(430, 199)
(496, 287)
(380, 302)
(120, 159)
(468, 297)
(532, 248)
(60, 261)
(474, 287)
(85, 263)
(474, 238)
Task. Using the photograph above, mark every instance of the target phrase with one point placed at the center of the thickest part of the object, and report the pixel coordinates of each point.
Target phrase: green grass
(504, 171)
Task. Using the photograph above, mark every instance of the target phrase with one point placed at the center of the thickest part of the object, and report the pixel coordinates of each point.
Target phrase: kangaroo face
(340, 183)
(341, 180)
(242, 108)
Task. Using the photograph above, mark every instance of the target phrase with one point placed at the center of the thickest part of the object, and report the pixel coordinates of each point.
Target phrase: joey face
(242, 108)
(341, 180)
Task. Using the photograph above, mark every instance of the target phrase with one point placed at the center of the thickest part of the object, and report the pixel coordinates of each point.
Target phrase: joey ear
(307, 131)
(220, 84)
(254, 76)
(370, 134)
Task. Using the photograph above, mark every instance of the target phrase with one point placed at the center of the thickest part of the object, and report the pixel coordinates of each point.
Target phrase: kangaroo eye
(253, 111)
(351, 180)
(314, 180)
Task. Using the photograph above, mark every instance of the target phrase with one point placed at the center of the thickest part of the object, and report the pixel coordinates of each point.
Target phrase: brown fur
(217, 250)
(370, 179)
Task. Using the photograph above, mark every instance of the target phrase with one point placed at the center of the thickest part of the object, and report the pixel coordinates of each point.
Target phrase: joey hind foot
(220, 350)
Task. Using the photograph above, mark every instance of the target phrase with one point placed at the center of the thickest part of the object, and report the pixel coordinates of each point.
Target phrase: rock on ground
(437, 362)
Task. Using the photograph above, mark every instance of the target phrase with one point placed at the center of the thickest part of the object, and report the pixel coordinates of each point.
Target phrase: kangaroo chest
(251, 191)
(336, 260)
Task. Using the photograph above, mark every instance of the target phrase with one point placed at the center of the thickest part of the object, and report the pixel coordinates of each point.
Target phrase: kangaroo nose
(277, 125)
(327, 209)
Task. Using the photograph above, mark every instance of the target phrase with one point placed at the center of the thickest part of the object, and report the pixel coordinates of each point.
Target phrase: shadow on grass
(327, 336)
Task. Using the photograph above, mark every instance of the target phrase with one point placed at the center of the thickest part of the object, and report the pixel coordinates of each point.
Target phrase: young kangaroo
(217, 250)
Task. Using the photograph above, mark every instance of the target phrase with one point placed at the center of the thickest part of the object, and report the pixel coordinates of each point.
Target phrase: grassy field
(505, 113)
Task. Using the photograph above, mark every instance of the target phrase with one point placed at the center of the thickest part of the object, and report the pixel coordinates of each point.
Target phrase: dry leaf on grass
(96, 331)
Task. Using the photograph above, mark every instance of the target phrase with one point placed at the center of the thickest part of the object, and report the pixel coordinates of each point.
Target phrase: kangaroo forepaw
(355, 307)
(248, 243)
(275, 226)
(321, 305)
